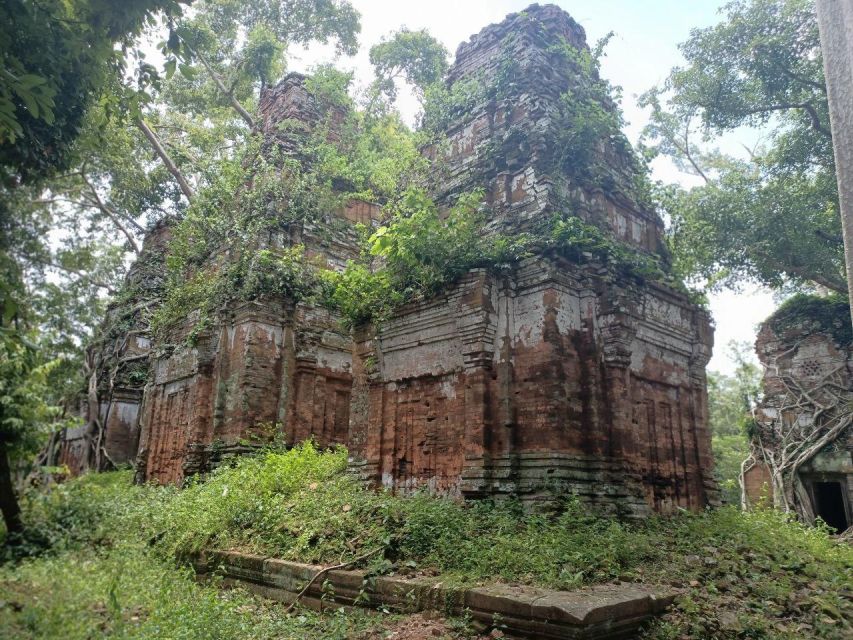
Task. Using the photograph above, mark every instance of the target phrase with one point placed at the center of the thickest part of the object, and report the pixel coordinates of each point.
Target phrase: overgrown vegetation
(815, 314)
(814, 412)
(106, 552)
(770, 216)
(234, 243)
(419, 251)
(732, 398)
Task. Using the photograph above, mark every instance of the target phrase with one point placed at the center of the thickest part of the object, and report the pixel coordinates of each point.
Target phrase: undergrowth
(753, 575)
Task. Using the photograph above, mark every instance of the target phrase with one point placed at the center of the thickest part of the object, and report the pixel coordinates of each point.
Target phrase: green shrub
(417, 253)
(729, 452)
(757, 574)
(828, 314)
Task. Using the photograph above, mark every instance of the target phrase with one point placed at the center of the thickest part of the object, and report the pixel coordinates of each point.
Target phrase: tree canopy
(771, 217)
(55, 59)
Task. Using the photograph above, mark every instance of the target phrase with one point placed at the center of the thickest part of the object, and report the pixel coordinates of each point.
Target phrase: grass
(754, 575)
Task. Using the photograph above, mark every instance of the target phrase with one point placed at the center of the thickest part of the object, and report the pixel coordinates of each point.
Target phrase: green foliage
(729, 452)
(414, 56)
(131, 593)
(731, 402)
(824, 314)
(281, 273)
(758, 573)
(419, 251)
(578, 241)
(590, 145)
(588, 140)
(772, 218)
(731, 398)
(98, 575)
(223, 249)
(372, 155)
(422, 250)
(227, 50)
(56, 57)
(25, 417)
(443, 104)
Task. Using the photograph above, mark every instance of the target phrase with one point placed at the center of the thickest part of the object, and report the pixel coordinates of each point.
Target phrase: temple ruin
(562, 377)
(802, 441)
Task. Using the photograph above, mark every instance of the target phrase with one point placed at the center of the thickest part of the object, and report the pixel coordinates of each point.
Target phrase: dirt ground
(427, 625)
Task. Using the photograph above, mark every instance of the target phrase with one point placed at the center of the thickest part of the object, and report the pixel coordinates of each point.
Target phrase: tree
(772, 218)
(55, 58)
(23, 387)
(413, 56)
(836, 32)
(731, 401)
(232, 49)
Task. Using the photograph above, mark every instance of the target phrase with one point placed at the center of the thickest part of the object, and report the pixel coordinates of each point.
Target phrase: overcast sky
(641, 53)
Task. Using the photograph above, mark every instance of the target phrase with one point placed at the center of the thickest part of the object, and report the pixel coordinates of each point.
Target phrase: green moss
(815, 314)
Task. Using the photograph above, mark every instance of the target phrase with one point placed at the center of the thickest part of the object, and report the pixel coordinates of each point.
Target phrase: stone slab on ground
(602, 612)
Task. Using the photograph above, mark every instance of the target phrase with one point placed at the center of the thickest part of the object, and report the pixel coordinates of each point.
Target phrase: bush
(758, 574)
(420, 251)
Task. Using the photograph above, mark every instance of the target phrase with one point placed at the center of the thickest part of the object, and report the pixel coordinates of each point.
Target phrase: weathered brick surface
(538, 386)
(803, 354)
(558, 378)
(506, 144)
(120, 359)
(268, 367)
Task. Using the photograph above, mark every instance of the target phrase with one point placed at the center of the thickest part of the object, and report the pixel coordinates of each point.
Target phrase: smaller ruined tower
(269, 366)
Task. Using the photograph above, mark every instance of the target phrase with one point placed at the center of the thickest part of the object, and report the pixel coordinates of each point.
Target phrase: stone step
(601, 612)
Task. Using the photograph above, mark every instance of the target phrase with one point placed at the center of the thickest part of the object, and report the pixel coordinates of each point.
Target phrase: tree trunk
(835, 21)
(167, 160)
(235, 104)
(8, 500)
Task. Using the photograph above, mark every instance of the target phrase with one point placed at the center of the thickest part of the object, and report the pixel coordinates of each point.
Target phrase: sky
(642, 51)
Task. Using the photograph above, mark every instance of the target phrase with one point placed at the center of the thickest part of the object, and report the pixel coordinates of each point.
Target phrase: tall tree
(56, 58)
(413, 56)
(772, 217)
(836, 30)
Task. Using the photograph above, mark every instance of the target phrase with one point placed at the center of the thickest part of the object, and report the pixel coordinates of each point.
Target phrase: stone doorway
(829, 504)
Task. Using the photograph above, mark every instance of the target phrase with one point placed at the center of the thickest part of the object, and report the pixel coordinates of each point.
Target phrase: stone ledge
(603, 612)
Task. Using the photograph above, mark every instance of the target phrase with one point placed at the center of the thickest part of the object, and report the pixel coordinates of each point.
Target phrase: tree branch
(788, 106)
(108, 211)
(810, 83)
(229, 93)
(688, 155)
(837, 285)
(164, 156)
(323, 572)
(98, 283)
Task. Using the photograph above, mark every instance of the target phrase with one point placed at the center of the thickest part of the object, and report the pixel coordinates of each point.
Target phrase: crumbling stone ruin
(117, 367)
(564, 376)
(264, 365)
(560, 377)
(802, 442)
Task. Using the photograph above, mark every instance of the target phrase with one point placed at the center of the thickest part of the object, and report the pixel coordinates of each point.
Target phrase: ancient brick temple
(808, 390)
(117, 370)
(559, 377)
(266, 365)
